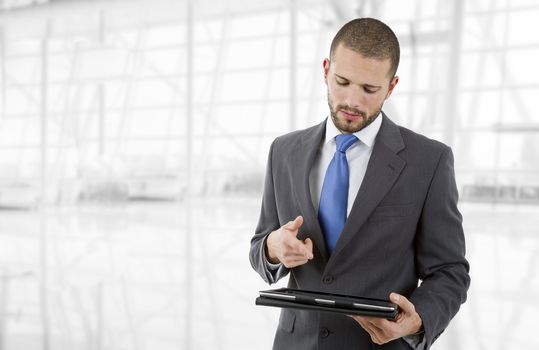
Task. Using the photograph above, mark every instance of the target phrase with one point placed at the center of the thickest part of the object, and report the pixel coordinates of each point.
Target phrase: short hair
(371, 38)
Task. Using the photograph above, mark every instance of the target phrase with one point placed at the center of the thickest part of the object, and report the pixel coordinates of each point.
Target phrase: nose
(355, 96)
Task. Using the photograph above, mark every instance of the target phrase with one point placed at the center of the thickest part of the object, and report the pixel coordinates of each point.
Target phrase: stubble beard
(348, 126)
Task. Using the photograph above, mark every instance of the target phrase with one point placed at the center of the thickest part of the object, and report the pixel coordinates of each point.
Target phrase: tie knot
(345, 141)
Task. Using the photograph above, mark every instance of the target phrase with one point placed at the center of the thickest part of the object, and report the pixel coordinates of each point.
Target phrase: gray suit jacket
(404, 226)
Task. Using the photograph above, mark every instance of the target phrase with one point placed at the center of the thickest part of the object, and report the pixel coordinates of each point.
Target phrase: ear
(325, 64)
(392, 85)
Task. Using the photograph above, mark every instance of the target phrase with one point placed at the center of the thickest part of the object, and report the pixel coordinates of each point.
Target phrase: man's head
(360, 73)
(371, 38)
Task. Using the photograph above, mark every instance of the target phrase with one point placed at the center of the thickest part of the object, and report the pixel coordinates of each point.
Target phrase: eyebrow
(364, 85)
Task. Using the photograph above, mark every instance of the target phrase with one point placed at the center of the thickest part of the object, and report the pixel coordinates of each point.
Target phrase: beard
(349, 126)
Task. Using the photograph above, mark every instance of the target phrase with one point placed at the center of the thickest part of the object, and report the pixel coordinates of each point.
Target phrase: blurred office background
(133, 144)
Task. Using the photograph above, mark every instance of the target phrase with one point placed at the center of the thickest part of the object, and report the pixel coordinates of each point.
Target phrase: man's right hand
(283, 245)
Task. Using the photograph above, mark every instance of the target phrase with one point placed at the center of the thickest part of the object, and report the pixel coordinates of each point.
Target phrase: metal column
(43, 285)
(293, 99)
(189, 116)
(2, 72)
(450, 117)
(101, 95)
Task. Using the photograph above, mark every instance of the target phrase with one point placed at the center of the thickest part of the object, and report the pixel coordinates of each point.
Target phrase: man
(358, 205)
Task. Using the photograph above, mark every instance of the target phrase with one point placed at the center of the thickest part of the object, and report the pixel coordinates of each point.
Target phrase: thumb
(294, 225)
(404, 304)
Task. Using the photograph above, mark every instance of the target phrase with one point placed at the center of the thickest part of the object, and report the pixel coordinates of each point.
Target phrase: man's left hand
(383, 331)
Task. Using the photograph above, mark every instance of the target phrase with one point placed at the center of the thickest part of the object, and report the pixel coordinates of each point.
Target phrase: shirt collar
(366, 135)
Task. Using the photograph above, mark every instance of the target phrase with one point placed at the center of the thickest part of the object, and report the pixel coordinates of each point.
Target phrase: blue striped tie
(334, 196)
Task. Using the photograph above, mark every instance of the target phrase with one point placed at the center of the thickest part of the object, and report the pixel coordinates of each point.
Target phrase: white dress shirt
(357, 155)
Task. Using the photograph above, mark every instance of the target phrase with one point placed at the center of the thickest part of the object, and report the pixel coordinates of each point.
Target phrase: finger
(363, 322)
(298, 247)
(374, 325)
(290, 263)
(408, 320)
(378, 333)
(374, 332)
(294, 225)
(380, 330)
(294, 254)
(308, 244)
(386, 330)
(404, 304)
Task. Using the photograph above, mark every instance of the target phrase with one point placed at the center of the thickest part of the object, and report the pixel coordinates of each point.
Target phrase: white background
(130, 179)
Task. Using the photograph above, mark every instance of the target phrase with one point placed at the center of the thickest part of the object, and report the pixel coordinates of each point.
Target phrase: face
(357, 88)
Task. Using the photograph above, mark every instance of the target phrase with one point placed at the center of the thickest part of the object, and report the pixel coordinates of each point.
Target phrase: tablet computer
(328, 302)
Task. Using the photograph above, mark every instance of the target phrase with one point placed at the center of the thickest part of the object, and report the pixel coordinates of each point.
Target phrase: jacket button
(328, 279)
(324, 333)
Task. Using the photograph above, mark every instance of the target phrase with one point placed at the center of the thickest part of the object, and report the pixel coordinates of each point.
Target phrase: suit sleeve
(440, 253)
(267, 222)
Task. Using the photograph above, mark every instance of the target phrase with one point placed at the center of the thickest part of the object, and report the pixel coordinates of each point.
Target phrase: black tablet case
(267, 301)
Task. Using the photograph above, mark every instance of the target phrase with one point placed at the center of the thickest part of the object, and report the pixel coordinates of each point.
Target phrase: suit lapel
(301, 161)
(383, 170)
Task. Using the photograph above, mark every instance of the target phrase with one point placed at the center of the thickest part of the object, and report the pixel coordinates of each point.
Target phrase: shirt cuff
(274, 270)
(416, 341)
(271, 266)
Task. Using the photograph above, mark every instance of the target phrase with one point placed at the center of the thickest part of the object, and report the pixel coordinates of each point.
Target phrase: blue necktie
(334, 196)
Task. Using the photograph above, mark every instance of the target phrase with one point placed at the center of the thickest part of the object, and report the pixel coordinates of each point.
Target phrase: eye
(342, 82)
(369, 91)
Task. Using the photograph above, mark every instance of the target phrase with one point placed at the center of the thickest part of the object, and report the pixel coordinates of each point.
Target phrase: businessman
(361, 206)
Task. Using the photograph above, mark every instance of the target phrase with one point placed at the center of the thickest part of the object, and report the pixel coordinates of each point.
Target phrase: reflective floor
(113, 276)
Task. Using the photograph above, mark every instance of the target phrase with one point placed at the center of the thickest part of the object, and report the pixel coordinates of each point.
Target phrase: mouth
(350, 115)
